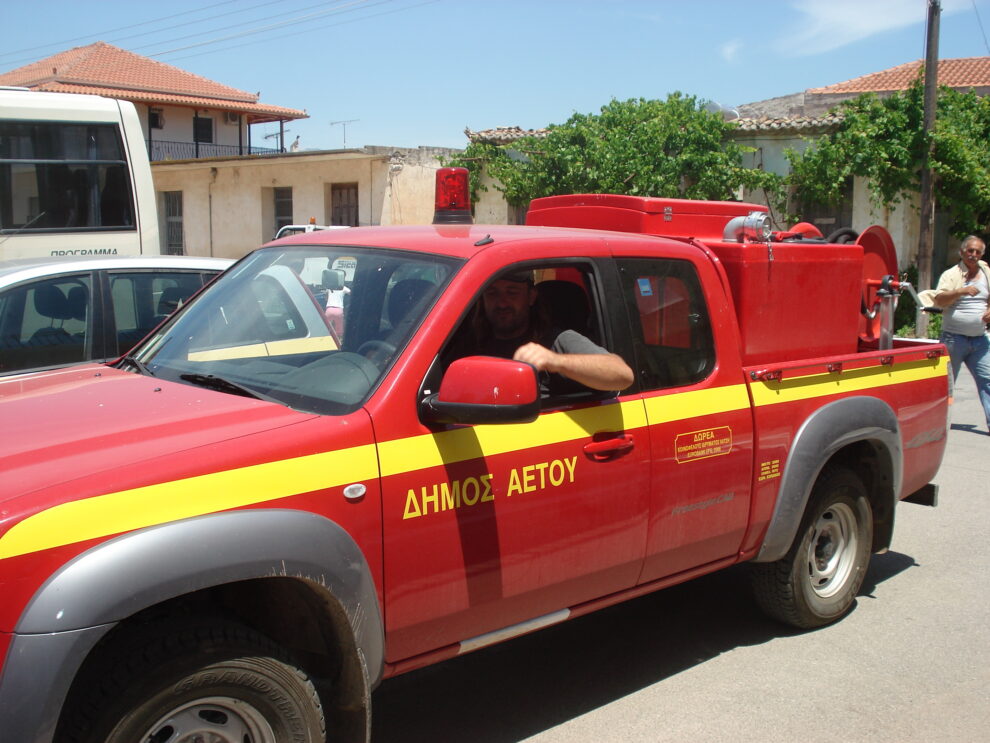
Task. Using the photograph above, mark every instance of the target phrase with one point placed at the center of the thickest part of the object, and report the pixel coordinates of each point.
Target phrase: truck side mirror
(483, 389)
(333, 279)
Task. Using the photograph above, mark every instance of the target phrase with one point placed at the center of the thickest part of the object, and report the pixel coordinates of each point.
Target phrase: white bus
(74, 177)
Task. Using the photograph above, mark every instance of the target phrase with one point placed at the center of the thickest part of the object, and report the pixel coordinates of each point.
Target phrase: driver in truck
(511, 324)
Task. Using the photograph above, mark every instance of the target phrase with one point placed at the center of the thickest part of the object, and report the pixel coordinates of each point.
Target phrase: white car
(59, 311)
(297, 229)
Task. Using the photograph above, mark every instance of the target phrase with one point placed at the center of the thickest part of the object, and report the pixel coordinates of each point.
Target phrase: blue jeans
(974, 351)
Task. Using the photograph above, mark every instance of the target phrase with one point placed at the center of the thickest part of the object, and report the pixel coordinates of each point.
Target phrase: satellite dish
(727, 114)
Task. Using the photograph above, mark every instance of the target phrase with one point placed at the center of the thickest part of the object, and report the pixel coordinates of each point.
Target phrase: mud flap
(926, 496)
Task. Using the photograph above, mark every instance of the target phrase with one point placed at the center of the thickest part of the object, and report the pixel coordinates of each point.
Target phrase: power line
(101, 34)
(304, 23)
(234, 25)
(203, 20)
(298, 32)
(107, 35)
(262, 29)
(980, 22)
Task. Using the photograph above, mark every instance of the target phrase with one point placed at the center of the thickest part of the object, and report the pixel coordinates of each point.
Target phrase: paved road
(698, 663)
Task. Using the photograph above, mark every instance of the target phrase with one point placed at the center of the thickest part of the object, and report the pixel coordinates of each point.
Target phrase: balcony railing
(163, 150)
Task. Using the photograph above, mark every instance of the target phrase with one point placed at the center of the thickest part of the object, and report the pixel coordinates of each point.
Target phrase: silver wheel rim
(832, 552)
(211, 720)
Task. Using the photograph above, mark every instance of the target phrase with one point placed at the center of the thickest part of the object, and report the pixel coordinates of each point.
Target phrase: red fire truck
(244, 525)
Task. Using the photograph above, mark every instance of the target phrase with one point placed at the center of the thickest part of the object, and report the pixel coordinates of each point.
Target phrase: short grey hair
(972, 239)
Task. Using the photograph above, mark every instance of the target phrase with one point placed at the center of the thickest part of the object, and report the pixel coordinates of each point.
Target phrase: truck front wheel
(816, 582)
(219, 683)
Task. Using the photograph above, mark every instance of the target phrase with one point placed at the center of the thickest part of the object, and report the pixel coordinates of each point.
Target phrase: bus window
(74, 177)
(63, 176)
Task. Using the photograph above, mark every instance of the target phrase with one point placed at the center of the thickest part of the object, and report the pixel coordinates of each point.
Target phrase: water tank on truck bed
(795, 294)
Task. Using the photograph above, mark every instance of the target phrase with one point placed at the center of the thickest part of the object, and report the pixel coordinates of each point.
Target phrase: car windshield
(311, 327)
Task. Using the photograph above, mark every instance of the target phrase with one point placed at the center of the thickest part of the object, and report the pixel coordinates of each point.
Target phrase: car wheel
(218, 683)
(816, 582)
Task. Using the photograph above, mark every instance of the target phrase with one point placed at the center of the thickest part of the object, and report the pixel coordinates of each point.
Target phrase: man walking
(964, 293)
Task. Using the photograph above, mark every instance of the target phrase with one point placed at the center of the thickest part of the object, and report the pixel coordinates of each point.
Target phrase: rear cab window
(669, 321)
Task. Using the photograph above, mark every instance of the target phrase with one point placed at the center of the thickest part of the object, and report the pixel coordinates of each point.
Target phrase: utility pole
(343, 125)
(927, 227)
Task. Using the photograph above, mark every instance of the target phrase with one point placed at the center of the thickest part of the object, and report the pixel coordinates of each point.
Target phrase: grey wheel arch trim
(110, 582)
(826, 431)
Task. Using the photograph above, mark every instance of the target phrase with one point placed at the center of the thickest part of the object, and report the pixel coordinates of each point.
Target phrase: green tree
(672, 148)
(883, 140)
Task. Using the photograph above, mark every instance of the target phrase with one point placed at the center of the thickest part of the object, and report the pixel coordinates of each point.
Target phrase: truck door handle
(609, 447)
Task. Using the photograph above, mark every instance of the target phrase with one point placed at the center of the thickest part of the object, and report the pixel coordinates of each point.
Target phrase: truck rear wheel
(816, 582)
(218, 683)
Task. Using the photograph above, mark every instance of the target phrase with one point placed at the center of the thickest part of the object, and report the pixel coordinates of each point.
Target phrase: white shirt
(965, 316)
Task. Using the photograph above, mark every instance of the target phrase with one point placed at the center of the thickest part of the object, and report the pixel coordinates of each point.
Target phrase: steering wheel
(378, 352)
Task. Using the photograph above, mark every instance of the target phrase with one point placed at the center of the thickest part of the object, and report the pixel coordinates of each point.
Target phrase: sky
(410, 73)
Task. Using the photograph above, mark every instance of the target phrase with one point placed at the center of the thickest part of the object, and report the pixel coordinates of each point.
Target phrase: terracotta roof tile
(503, 134)
(108, 70)
(797, 124)
(967, 72)
(259, 112)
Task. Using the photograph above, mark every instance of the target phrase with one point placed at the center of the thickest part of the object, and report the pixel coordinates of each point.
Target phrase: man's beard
(509, 325)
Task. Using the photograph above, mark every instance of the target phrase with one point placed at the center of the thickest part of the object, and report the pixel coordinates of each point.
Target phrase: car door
(503, 528)
(697, 408)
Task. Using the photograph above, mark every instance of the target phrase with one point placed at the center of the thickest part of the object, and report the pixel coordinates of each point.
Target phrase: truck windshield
(310, 327)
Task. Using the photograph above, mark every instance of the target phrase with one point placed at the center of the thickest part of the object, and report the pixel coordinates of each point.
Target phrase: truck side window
(565, 300)
(670, 322)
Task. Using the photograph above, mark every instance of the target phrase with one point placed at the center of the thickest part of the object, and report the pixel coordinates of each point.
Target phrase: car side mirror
(484, 389)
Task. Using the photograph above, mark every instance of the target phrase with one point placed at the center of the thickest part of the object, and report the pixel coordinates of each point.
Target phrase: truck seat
(566, 304)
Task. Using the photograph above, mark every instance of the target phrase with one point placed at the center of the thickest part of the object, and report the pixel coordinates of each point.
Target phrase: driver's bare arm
(606, 372)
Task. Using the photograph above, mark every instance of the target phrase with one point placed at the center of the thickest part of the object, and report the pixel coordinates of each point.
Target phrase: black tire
(215, 682)
(816, 582)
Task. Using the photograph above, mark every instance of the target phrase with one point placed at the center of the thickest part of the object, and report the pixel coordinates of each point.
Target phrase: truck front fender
(828, 430)
(86, 597)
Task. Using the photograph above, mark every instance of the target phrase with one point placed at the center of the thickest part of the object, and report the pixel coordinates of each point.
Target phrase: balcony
(164, 150)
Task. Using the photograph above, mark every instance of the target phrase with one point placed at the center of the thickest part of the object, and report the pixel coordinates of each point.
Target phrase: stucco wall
(406, 192)
(179, 127)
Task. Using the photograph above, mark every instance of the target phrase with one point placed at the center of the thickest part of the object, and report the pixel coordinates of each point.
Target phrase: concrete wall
(768, 150)
(406, 192)
(228, 207)
(491, 207)
(901, 221)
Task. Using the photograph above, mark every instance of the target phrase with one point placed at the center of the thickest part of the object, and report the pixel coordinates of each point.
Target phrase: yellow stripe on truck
(114, 513)
(794, 389)
(462, 444)
(695, 403)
